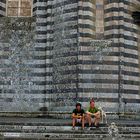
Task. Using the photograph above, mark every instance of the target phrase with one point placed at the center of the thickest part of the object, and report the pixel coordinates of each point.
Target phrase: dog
(103, 115)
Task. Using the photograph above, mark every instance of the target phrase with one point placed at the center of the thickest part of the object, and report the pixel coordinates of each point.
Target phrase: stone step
(66, 136)
(64, 132)
(61, 129)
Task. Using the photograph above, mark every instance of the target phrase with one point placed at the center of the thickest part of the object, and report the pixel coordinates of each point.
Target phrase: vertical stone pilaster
(2, 8)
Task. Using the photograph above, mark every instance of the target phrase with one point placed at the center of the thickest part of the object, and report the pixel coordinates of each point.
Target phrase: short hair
(92, 100)
(78, 104)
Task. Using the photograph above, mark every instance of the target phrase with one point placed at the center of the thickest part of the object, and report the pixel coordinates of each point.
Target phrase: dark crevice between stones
(136, 17)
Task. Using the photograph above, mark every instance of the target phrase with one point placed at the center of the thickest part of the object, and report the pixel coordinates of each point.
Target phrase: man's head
(92, 103)
(78, 106)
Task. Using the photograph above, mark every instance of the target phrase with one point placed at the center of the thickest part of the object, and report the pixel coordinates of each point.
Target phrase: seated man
(93, 114)
(78, 116)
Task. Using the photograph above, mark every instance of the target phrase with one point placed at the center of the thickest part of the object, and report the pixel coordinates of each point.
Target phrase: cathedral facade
(67, 68)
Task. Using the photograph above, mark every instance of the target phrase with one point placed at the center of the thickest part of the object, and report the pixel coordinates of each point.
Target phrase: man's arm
(89, 113)
(97, 113)
(93, 114)
(76, 116)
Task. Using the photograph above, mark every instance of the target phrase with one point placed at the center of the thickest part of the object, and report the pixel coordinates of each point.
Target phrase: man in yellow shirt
(93, 114)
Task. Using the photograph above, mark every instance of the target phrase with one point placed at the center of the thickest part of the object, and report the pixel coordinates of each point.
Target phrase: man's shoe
(97, 126)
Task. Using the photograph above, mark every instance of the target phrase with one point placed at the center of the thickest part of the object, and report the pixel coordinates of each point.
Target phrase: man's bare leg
(89, 119)
(73, 122)
(83, 122)
(97, 119)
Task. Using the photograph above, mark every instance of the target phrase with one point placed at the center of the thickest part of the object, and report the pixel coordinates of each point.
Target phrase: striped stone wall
(16, 62)
(113, 81)
(2, 8)
(78, 20)
(42, 57)
(68, 68)
(120, 27)
(64, 53)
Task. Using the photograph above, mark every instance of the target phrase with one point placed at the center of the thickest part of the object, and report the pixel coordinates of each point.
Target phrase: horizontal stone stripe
(40, 48)
(116, 9)
(98, 71)
(8, 83)
(123, 27)
(128, 64)
(80, 99)
(39, 57)
(88, 62)
(129, 55)
(124, 41)
(131, 100)
(130, 91)
(42, 74)
(131, 69)
(87, 81)
(122, 36)
(98, 67)
(87, 13)
(68, 18)
(91, 62)
(132, 78)
(40, 4)
(117, 18)
(2, 8)
(130, 82)
(41, 24)
(91, 71)
(111, 28)
(41, 62)
(63, 90)
(41, 8)
(41, 32)
(130, 96)
(122, 17)
(131, 87)
(90, 35)
(97, 95)
(108, 100)
(116, 1)
(87, 99)
(79, 7)
(35, 1)
(115, 44)
(85, 17)
(40, 70)
(65, 72)
(85, 25)
(64, 2)
(106, 90)
(117, 31)
(131, 73)
(98, 76)
(87, 2)
(98, 90)
(67, 27)
(69, 21)
(129, 46)
(1, 15)
(41, 40)
(3, 1)
(12, 92)
(98, 85)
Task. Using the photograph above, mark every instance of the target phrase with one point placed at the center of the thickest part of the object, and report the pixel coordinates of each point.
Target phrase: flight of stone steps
(13, 128)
